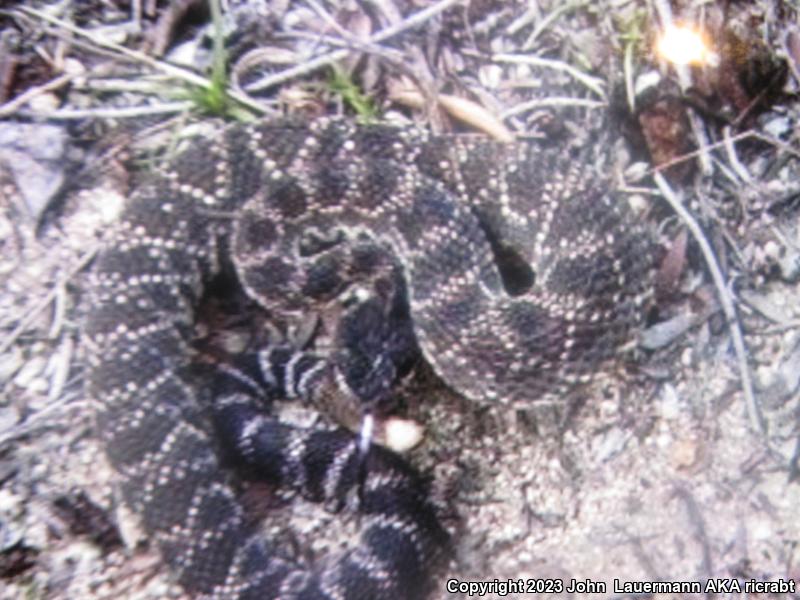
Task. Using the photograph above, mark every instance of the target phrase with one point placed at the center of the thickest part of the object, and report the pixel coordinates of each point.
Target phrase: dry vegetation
(681, 466)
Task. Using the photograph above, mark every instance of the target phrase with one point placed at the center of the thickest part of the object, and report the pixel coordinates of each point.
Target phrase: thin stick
(13, 105)
(783, 146)
(547, 21)
(726, 301)
(733, 158)
(44, 302)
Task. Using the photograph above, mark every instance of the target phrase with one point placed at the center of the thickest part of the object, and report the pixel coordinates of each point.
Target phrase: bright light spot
(402, 434)
(683, 45)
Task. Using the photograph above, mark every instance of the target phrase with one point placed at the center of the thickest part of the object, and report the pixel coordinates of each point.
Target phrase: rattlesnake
(511, 266)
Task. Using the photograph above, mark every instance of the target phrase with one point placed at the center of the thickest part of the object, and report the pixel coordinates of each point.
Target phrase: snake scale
(520, 273)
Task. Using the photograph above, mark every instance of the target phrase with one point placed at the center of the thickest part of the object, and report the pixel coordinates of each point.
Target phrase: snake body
(520, 273)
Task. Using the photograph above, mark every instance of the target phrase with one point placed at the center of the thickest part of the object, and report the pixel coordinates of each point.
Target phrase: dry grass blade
(171, 70)
(595, 84)
(551, 101)
(462, 109)
(324, 60)
(132, 112)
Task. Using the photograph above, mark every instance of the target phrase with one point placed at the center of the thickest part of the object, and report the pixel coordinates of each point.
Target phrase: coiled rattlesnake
(520, 271)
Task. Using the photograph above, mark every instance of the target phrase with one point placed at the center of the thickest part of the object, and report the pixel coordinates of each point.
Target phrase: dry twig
(726, 301)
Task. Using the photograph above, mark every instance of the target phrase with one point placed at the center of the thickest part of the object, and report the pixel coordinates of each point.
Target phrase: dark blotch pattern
(289, 198)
